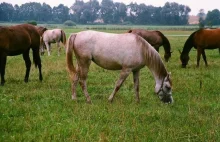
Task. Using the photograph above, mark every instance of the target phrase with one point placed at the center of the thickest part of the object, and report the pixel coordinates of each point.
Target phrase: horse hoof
(2, 82)
(110, 100)
(41, 78)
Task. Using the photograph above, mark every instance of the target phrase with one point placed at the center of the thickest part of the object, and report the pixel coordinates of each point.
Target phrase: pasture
(44, 111)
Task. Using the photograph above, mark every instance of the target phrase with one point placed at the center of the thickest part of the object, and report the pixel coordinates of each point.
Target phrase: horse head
(42, 46)
(184, 59)
(167, 56)
(164, 91)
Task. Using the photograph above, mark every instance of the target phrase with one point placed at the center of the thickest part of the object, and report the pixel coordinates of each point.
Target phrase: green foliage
(69, 23)
(32, 22)
(44, 111)
(90, 12)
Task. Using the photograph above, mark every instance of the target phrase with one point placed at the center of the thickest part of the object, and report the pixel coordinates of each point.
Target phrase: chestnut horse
(125, 52)
(52, 36)
(16, 40)
(156, 39)
(200, 40)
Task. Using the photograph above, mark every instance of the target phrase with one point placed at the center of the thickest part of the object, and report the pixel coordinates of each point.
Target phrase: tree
(107, 10)
(201, 16)
(213, 17)
(132, 12)
(77, 9)
(174, 14)
(119, 12)
(60, 13)
(30, 11)
(6, 11)
(46, 12)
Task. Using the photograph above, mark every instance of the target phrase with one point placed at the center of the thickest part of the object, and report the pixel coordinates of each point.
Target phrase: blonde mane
(153, 61)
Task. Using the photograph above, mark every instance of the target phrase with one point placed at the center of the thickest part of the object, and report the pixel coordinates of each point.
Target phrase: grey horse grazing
(125, 52)
(52, 36)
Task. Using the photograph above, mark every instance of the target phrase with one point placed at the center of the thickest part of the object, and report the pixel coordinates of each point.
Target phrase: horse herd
(128, 52)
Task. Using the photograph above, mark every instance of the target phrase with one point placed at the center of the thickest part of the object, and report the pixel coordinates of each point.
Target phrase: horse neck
(188, 44)
(155, 64)
(166, 43)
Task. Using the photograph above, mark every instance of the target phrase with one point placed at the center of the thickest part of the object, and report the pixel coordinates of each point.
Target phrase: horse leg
(74, 83)
(124, 74)
(3, 60)
(204, 57)
(136, 84)
(198, 55)
(59, 48)
(27, 63)
(48, 48)
(83, 72)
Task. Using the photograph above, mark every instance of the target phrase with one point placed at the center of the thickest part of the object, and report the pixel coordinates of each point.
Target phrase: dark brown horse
(16, 40)
(200, 40)
(156, 39)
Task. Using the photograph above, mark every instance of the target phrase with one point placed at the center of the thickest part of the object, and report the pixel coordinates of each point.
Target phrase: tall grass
(44, 111)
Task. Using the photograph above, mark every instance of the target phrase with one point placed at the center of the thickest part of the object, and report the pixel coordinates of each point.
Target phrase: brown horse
(156, 39)
(16, 40)
(125, 52)
(200, 40)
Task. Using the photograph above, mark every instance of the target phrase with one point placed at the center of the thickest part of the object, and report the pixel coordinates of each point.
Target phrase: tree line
(107, 12)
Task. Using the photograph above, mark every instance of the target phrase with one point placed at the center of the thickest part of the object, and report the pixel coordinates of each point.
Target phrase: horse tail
(63, 37)
(69, 55)
(36, 57)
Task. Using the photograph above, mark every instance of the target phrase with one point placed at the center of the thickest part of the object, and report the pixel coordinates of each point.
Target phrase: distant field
(44, 111)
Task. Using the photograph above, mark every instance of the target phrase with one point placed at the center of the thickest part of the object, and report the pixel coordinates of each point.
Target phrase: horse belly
(107, 64)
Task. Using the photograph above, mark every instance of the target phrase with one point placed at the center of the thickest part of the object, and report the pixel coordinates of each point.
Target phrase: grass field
(36, 111)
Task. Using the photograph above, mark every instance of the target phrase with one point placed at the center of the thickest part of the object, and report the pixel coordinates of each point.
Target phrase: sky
(195, 5)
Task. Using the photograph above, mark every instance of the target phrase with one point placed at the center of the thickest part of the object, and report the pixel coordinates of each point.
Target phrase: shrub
(32, 22)
(69, 23)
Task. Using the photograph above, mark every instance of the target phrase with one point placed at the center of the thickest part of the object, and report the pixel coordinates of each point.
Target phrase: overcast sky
(195, 5)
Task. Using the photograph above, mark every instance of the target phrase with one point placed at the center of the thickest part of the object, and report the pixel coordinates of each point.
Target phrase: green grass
(36, 111)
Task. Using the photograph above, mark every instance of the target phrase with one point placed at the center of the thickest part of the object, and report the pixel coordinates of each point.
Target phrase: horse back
(110, 51)
(207, 38)
(153, 37)
(16, 39)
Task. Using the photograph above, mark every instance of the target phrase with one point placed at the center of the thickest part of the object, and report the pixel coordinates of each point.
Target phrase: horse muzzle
(168, 99)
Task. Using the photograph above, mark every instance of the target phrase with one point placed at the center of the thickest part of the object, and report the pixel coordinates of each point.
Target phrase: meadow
(44, 111)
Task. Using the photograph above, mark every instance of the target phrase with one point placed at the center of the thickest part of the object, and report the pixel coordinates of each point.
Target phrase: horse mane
(166, 43)
(189, 43)
(153, 60)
